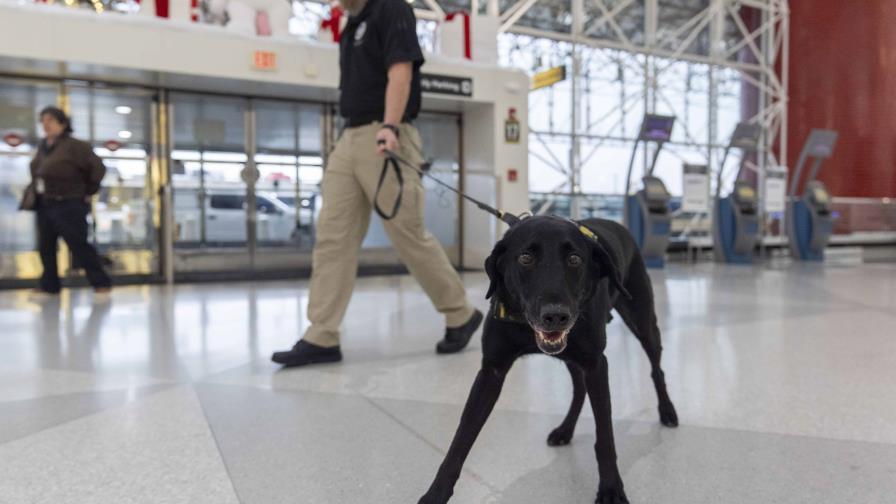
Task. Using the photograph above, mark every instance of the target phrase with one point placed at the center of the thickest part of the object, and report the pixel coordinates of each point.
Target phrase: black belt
(43, 198)
(354, 122)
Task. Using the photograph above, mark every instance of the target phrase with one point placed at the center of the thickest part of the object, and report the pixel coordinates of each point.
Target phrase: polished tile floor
(784, 378)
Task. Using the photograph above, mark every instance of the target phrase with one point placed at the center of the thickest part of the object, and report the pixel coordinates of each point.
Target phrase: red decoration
(512, 175)
(468, 51)
(112, 145)
(332, 24)
(162, 8)
(13, 139)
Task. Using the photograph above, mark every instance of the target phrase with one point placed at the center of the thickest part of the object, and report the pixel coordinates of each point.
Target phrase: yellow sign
(548, 77)
(264, 60)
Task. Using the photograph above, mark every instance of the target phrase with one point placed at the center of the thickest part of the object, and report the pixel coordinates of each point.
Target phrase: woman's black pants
(66, 219)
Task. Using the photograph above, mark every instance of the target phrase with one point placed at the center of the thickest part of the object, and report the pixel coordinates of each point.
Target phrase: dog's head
(547, 268)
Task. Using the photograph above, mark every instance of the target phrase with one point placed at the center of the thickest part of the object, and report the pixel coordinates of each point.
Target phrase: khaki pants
(348, 188)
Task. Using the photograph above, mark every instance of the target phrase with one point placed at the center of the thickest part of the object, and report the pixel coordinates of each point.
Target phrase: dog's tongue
(552, 335)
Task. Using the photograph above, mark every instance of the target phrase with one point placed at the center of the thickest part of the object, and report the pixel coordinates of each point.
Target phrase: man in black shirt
(379, 59)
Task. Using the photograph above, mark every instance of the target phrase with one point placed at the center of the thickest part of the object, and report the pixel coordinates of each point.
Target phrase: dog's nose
(554, 316)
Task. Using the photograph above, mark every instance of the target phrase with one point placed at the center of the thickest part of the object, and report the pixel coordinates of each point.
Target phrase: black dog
(554, 283)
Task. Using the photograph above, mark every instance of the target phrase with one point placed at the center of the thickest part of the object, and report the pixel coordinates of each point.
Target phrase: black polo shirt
(384, 33)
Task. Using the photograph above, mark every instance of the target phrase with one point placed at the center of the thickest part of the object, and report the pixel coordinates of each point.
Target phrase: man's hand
(386, 139)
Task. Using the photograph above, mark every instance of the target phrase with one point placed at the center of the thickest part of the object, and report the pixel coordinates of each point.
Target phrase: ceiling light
(123, 109)
(125, 134)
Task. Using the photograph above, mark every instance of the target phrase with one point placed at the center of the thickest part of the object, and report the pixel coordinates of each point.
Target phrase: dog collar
(591, 235)
(500, 312)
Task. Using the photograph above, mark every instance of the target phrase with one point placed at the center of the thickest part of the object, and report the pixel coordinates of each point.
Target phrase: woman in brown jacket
(65, 173)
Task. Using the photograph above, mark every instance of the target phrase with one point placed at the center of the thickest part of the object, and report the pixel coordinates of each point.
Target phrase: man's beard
(354, 7)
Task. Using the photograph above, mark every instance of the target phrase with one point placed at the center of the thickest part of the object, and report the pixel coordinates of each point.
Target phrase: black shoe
(304, 353)
(456, 338)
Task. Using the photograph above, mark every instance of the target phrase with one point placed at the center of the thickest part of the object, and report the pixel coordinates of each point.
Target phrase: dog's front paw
(560, 436)
(611, 496)
(668, 416)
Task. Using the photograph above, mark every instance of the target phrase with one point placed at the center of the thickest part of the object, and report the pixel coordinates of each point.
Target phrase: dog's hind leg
(639, 314)
(482, 399)
(562, 435)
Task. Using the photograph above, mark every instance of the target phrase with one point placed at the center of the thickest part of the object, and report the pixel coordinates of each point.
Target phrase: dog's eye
(574, 260)
(526, 259)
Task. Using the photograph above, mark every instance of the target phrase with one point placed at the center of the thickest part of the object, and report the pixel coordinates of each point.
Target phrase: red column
(843, 77)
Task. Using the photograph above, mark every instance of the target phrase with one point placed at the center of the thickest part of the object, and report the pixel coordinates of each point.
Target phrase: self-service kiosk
(809, 223)
(646, 212)
(735, 222)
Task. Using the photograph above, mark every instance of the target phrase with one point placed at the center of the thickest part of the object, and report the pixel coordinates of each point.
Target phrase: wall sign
(775, 189)
(695, 188)
(446, 84)
(548, 77)
(112, 145)
(511, 127)
(13, 139)
(264, 60)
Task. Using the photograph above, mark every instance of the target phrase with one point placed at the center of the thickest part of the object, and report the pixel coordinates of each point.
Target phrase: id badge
(39, 186)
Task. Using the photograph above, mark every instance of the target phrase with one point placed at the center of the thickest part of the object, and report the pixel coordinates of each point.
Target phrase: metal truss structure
(664, 56)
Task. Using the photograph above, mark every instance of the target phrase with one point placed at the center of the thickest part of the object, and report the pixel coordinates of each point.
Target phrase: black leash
(394, 159)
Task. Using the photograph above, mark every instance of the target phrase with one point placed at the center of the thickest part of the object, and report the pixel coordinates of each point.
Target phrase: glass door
(20, 102)
(290, 167)
(209, 173)
(116, 122)
(246, 179)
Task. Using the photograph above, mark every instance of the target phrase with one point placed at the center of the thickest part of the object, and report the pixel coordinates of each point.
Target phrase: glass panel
(123, 211)
(19, 105)
(288, 188)
(117, 123)
(276, 123)
(17, 229)
(101, 115)
(209, 123)
(20, 102)
(208, 158)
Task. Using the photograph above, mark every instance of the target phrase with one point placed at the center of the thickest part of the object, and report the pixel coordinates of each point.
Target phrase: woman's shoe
(102, 294)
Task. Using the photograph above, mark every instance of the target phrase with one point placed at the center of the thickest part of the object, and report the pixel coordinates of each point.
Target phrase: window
(227, 202)
(264, 205)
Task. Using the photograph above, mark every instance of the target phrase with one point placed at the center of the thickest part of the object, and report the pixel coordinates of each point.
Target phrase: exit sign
(264, 60)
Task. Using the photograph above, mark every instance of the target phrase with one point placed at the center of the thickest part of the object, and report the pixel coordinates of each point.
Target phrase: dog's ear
(606, 267)
(491, 268)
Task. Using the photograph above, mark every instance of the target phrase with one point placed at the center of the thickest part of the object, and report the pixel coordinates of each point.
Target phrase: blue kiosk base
(727, 232)
(802, 232)
(637, 228)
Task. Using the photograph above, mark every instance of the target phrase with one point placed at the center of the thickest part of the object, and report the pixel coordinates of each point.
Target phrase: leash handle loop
(379, 186)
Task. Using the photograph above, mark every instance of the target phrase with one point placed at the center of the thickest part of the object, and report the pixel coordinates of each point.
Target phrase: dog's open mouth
(551, 342)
